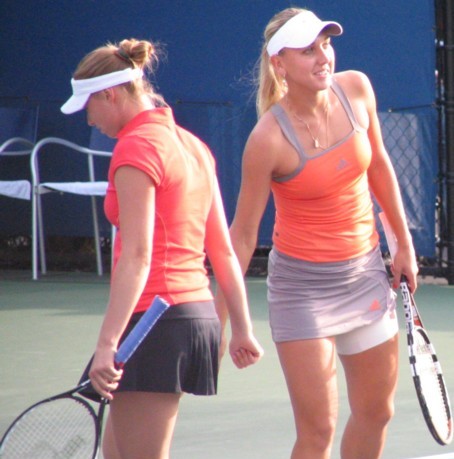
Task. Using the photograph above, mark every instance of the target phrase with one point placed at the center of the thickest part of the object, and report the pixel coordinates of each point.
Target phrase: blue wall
(212, 44)
(211, 48)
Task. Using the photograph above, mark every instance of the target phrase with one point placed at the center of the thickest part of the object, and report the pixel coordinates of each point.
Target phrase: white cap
(83, 89)
(300, 31)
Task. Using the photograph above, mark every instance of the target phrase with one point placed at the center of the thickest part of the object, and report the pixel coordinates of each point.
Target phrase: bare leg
(310, 371)
(109, 448)
(371, 381)
(140, 425)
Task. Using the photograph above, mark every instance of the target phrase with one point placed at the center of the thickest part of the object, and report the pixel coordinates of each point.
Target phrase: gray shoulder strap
(286, 126)
(290, 135)
(346, 104)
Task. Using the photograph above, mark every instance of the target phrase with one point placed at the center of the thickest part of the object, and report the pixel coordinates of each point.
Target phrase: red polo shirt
(182, 170)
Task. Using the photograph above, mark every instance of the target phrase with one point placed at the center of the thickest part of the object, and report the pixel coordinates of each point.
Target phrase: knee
(377, 413)
(384, 413)
(319, 433)
(323, 437)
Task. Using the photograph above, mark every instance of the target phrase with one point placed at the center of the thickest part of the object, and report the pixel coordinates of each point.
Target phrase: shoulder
(352, 78)
(194, 144)
(354, 83)
(266, 148)
(266, 132)
(140, 147)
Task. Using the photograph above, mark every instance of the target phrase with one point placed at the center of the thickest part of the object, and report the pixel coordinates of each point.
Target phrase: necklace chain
(315, 138)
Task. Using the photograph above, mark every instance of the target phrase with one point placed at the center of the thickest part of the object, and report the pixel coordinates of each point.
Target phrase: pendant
(316, 143)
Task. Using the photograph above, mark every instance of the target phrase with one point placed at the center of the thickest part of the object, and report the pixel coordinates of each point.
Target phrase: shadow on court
(48, 330)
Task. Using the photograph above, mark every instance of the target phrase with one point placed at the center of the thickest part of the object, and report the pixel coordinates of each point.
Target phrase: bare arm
(253, 197)
(131, 271)
(383, 184)
(244, 348)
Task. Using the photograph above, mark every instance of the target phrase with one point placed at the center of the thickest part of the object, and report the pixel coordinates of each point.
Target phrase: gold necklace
(315, 138)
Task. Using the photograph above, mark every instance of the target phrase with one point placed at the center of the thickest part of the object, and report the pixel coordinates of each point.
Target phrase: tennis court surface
(48, 330)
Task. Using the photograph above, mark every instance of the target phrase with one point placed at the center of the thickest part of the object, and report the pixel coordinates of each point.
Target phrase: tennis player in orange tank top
(317, 147)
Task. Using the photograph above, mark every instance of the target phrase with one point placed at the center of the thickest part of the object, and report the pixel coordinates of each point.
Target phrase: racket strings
(428, 371)
(58, 429)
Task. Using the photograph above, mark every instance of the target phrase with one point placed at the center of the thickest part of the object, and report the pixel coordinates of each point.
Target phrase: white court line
(439, 456)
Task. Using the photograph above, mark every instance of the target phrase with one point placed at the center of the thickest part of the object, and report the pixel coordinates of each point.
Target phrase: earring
(284, 82)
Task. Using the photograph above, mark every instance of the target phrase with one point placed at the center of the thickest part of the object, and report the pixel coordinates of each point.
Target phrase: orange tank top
(324, 210)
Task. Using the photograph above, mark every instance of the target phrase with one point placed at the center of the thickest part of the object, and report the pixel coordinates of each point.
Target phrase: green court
(48, 329)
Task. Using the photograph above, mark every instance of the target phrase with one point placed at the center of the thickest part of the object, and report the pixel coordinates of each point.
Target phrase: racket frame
(414, 325)
(97, 417)
(125, 351)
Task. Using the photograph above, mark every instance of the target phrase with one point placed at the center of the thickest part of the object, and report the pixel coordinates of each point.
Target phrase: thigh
(143, 422)
(309, 368)
(372, 377)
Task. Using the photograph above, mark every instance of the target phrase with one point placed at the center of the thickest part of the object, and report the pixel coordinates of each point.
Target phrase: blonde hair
(271, 86)
(113, 57)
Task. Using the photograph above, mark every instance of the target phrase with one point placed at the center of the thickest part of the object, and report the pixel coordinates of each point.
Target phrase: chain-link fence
(411, 141)
(410, 137)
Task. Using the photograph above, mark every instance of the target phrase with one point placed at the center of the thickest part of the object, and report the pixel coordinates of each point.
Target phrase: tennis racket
(425, 367)
(66, 425)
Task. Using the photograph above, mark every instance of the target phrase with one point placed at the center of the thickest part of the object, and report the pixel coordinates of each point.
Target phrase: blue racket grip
(140, 331)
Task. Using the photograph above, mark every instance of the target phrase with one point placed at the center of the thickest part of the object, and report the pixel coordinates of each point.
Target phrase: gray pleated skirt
(315, 300)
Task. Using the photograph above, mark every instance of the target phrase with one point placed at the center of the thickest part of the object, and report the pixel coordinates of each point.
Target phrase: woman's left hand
(404, 264)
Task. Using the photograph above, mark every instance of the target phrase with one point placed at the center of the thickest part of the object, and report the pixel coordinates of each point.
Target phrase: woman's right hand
(104, 377)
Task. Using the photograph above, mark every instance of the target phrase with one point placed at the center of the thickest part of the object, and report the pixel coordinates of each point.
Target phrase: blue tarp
(211, 49)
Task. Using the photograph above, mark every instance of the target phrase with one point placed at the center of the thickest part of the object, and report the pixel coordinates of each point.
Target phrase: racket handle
(140, 331)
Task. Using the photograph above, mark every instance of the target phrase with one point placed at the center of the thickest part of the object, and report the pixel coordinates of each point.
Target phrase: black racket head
(430, 387)
(65, 427)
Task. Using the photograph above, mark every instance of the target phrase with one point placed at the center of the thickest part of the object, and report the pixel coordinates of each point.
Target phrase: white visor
(300, 31)
(82, 89)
